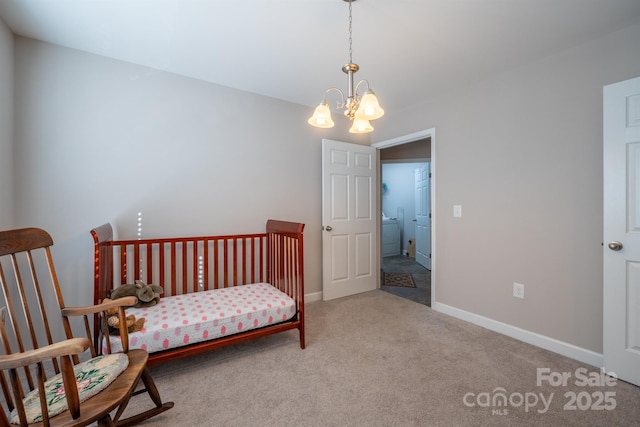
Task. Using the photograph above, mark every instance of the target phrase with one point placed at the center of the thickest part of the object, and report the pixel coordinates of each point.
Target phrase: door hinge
(429, 174)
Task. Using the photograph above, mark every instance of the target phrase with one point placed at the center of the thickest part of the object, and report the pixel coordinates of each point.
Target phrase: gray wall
(100, 140)
(6, 126)
(522, 154)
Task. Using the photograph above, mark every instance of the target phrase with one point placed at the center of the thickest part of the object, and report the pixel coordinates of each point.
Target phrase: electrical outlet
(518, 290)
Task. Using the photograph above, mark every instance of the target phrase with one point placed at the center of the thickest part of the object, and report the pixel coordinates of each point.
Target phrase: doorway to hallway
(416, 147)
(421, 277)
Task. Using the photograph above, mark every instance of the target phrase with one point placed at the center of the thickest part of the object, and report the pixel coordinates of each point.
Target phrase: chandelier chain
(350, 34)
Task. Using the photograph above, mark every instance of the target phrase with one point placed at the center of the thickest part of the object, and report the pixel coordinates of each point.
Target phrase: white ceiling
(294, 49)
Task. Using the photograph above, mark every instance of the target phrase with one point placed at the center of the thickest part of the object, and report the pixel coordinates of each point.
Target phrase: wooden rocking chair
(58, 382)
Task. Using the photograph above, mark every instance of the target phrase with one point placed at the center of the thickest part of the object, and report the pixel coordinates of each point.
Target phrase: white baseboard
(316, 296)
(569, 350)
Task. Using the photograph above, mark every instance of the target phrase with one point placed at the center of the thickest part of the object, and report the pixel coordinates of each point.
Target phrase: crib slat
(123, 263)
(254, 260)
(263, 243)
(136, 263)
(243, 246)
(216, 270)
(161, 252)
(226, 263)
(149, 249)
(235, 262)
(173, 268)
(194, 267)
(205, 267)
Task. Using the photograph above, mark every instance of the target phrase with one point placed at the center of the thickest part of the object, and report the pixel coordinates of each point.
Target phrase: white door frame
(405, 139)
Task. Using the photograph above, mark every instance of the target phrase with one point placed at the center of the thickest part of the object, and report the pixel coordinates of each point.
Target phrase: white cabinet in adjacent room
(390, 237)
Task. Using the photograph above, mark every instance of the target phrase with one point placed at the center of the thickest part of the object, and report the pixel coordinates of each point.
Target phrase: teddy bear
(113, 321)
(147, 295)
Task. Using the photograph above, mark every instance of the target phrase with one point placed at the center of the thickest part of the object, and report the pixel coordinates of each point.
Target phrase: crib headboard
(285, 258)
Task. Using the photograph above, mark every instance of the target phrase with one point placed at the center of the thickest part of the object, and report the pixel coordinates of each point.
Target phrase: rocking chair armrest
(91, 309)
(63, 348)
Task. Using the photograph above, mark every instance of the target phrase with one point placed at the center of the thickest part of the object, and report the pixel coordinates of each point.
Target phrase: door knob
(328, 228)
(615, 246)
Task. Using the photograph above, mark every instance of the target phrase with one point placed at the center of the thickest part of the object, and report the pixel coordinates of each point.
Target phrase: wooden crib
(217, 266)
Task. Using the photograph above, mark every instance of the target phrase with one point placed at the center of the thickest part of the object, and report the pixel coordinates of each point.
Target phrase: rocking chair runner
(43, 381)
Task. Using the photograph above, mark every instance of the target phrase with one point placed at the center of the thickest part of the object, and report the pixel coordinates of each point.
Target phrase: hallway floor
(421, 276)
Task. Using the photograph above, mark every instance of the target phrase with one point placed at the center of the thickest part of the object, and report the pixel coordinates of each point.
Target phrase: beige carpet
(376, 359)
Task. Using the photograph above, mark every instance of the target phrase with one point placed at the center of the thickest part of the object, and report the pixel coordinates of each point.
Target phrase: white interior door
(349, 206)
(423, 220)
(621, 256)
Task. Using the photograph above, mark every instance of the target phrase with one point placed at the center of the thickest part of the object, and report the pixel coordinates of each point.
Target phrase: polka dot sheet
(200, 316)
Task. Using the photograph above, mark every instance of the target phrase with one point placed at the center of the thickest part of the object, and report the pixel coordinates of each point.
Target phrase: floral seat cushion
(92, 377)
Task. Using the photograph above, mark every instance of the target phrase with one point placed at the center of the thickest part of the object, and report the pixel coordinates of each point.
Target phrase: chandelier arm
(358, 85)
(341, 103)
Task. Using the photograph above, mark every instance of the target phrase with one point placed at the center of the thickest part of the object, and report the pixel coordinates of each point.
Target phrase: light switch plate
(457, 211)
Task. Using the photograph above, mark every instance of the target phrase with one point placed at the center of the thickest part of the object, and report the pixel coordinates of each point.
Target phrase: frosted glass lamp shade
(369, 106)
(321, 116)
(360, 125)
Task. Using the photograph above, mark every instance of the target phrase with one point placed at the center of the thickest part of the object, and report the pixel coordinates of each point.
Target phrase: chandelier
(359, 109)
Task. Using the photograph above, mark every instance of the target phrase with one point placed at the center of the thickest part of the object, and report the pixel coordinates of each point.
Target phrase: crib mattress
(200, 316)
